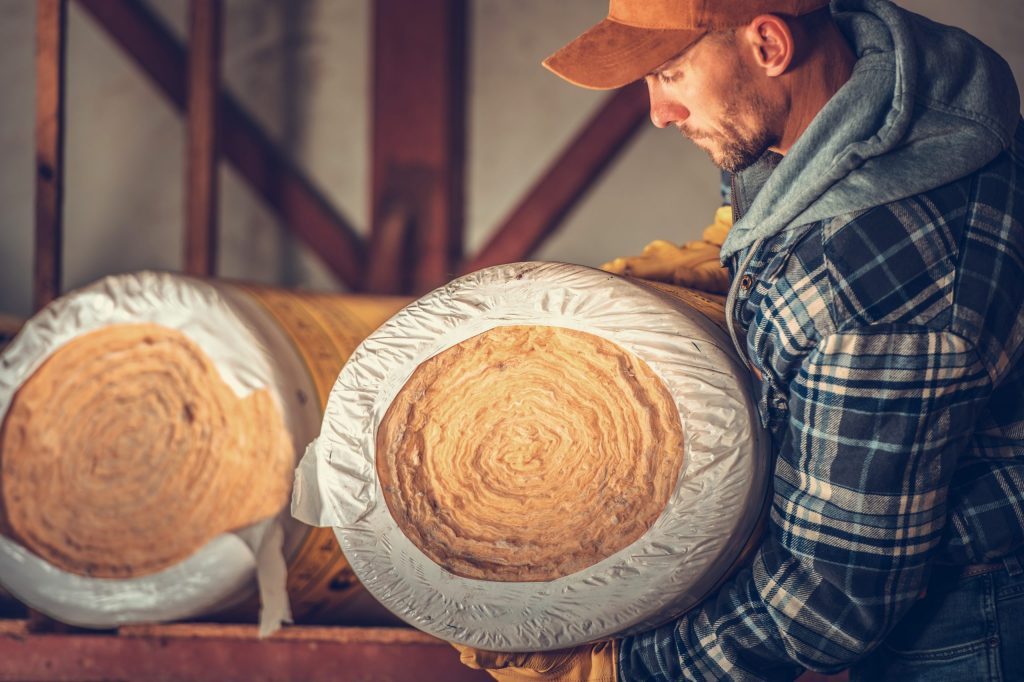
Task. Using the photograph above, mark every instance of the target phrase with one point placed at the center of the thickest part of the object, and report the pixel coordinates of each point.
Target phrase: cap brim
(611, 55)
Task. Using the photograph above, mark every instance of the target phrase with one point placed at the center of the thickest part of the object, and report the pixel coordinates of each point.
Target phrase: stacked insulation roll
(150, 428)
(540, 455)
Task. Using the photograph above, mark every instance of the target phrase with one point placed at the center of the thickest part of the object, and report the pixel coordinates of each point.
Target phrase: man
(877, 263)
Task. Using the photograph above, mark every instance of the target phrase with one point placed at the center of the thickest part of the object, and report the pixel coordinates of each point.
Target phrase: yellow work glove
(694, 264)
(587, 663)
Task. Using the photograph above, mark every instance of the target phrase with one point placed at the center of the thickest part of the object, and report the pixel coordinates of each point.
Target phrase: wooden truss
(416, 236)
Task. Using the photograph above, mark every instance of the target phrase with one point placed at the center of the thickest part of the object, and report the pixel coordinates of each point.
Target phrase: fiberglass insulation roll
(150, 425)
(540, 455)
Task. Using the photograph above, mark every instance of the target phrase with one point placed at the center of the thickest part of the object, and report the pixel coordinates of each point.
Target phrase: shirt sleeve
(878, 418)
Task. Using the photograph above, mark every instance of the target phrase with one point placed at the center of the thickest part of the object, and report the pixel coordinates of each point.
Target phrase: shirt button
(746, 282)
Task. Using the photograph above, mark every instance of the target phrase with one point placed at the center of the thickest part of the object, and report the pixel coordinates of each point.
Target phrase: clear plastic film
(708, 519)
(250, 354)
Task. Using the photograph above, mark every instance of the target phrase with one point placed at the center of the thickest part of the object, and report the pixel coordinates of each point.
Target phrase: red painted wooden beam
(51, 43)
(190, 652)
(300, 206)
(201, 186)
(228, 653)
(418, 144)
(567, 180)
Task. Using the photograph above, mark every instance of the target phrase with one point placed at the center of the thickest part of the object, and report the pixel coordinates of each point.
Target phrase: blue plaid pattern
(889, 346)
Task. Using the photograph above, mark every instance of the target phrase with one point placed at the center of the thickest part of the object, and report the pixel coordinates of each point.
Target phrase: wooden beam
(219, 653)
(302, 209)
(226, 653)
(51, 47)
(418, 144)
(297, 203)
(567, 180)
(205, 31)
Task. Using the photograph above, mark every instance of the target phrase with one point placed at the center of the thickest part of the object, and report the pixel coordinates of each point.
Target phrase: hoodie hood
(926, 104)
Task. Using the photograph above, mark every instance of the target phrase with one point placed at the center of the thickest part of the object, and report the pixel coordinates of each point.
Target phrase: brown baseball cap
(640, 35)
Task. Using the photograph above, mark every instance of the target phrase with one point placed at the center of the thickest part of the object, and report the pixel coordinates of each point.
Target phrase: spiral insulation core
(125, 452)
(527, 453)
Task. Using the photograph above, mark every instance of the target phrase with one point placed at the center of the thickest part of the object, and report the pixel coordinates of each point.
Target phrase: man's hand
(587, 663)
(694, 264)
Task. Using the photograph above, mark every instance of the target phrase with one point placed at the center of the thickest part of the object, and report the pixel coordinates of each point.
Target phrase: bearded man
(877, 274)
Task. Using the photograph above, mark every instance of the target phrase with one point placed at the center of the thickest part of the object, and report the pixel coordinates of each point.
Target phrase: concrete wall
(301, 68)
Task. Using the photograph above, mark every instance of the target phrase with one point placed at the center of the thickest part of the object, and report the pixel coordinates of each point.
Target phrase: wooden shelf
(192, 652)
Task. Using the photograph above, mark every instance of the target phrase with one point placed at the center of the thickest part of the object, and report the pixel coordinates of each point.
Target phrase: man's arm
(878, 418)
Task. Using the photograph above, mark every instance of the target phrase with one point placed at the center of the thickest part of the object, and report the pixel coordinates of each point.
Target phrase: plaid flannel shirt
(888, 345)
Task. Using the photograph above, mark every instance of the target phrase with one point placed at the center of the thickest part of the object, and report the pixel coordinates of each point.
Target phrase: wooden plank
(14, 628)
(301, 207)
(418, 144)
(51, 47)
(200, 653)
(567, 180)
(404, 645)
(339, 635)
(286, 191)
(201, 186)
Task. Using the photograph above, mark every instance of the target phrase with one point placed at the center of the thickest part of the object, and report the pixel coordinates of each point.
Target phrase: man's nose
(665, 111)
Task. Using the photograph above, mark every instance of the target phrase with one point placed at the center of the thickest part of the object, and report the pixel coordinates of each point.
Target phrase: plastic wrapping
(707, 521)
(240, 340)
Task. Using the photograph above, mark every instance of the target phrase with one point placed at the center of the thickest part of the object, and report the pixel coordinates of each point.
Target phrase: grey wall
(301, 68)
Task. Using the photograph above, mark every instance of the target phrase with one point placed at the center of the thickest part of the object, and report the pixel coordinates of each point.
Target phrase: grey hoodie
(926, 105)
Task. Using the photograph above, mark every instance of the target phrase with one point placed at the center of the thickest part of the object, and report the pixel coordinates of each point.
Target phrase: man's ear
(771, 43)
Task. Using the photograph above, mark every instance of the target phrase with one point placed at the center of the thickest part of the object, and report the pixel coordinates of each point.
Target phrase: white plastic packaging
(707, 521)
(250, 352)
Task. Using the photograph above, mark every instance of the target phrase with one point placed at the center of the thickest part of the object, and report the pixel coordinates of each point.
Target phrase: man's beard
(737, 148)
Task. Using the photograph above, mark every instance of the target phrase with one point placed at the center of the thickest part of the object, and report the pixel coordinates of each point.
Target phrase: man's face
(712, 95)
